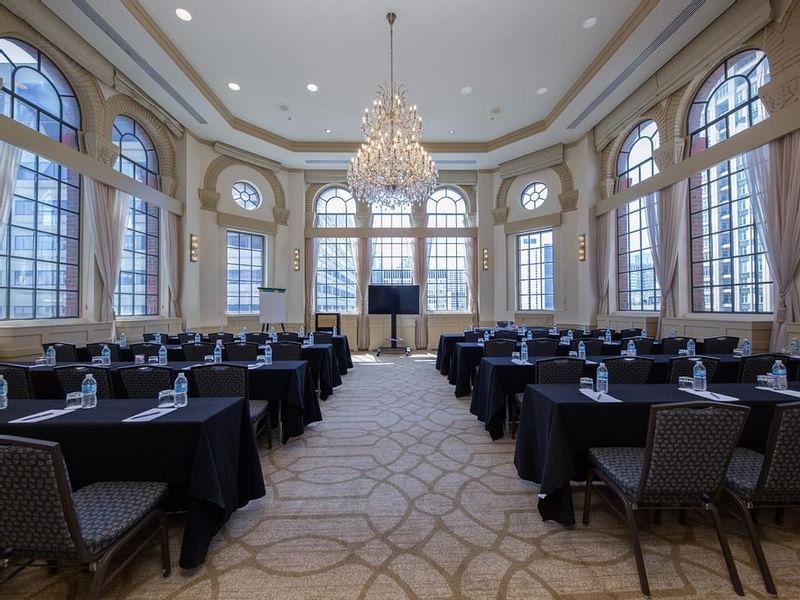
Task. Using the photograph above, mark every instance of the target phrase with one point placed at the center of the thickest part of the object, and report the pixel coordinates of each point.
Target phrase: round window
(534, 195)
(246, 195)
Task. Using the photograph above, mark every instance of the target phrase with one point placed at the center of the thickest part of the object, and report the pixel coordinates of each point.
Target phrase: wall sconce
(581, 247)
(485, 259)
(194, 247)
(296, 259)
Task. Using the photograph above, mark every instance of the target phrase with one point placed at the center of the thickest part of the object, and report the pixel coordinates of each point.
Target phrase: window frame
(542, 264)
(254, 297)
(399, 248)
(343, 248)
(528, 192)
(255, 191)
(457, 219)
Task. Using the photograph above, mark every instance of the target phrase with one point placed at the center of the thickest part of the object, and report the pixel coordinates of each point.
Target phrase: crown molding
(245, 156)
(535, 161)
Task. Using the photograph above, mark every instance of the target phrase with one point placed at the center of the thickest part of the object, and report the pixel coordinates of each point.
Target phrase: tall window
(137, 287)
(447, 275)
(729, 266)
(245, 272)
(391, 261)
(336, 269)
(535, 276)
(637, 287)
(40, 250)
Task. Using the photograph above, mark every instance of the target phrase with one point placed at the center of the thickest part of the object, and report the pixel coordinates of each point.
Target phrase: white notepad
(713, 396)
(519, 361)
(599, 396)
(43, 416)
(150, 414)
(793, 393)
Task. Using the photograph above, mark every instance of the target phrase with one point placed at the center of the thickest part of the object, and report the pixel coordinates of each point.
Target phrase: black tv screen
(393, 299)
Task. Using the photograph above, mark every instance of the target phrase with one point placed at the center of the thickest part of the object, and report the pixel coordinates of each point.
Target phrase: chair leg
(633, 530)
(269, 430)
(779, 513)
(587, 498)
(758, 550)
(52, 567)
(726, 550)
(98, 575)
(166, 567)
(683, 516)
(657, 516)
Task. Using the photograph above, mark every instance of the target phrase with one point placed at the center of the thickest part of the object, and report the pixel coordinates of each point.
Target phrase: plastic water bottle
(631, 348)
(608, 336)
(602, 378)
(747, 347)
(779, 375)
(690, 348)
(50, 355)
(301, 332)
(486, 335)
(162, 355)
(242, 336)
(3, 393)
(197, 339)
(89, 392)
(581, 350)
(673, 332)
(794, 347)
(311, 338)
(529, 335)
(570, 335)
(268, 354)
(699, 382)
(644, 333)
(123, 340)
(334, 330)
(181, 390)
(218, 352)
(157, 338)
(221, 329)
(523, 352)
(105, 354)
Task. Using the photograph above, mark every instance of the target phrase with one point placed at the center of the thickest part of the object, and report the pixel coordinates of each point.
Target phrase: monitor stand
(394, 341)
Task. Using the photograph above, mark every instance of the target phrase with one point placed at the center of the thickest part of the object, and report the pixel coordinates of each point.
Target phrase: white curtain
(665, 210)
(421, 277)
(363, 272)
(471, 264)
(773, 176)
(173, 242)
(109, 208)
(9, 165)
(605, 235)
(311, 260)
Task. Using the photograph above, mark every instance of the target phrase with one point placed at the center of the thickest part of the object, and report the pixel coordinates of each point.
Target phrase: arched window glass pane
(729, 265)
(392, 256)
(447, 287)
(40, 253)
(534, 195)
(138, 285)
(246, 195)
(336, 270)
(637, 287)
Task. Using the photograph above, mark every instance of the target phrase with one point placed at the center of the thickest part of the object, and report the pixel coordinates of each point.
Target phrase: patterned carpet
(400, 493)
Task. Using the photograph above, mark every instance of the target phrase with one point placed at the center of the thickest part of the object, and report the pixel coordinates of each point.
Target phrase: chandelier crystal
(392, 168)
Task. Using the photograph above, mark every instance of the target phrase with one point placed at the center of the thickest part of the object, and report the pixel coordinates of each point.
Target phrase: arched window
(447, 288)
(246, 195)
(534, 195)
(336, 270)
(729, 266)
(40, 252)
(137, 287)
(637, 287)
(392, 256)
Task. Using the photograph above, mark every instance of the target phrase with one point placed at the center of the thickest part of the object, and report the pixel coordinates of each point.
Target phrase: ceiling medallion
(391, 168)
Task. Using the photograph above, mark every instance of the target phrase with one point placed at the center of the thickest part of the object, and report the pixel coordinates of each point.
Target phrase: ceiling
(505, 50)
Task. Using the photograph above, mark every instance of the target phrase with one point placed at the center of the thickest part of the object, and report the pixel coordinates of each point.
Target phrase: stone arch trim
(312, 191)
(209, 196)
(159, 134)
(568, 198)
(87, 91)
(657, 114)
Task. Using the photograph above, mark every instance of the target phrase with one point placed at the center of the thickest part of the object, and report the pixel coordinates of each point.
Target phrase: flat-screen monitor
(393, 299)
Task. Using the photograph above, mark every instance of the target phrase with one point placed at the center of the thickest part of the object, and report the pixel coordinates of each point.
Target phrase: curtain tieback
(782, 293)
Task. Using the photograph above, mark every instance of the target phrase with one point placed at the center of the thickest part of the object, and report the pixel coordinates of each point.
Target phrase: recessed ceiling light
(497, 110)
(466, 90)
(452, 132)
(234, 86)
(589, 23)
(183, 14)
(312, 87)
(328, 131)
(541, 91)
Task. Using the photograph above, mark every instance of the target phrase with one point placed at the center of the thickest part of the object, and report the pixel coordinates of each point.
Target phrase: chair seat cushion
(623, 466)
(108, 509)
(743, 472)
(258, 408)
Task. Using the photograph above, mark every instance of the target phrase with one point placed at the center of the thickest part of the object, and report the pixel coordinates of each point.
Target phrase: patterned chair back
(593, 347)
(499, 348)
(723, 344)
(145, 381)
(18, 380)
(151, 337)
(64, 352)
(683, 366)
(226, 338)
(628, 369)
(187, 337)
(472, 336)
(671, 345)
(759, 364)
(238, 351)
(97, 349)
(630, 332)
(506, 335)
(288, 336)
(597, 333)
(689, 447)
(644, 345)
(199, 351)
(779, 482)
(70, 378)
(220, 380)
(37, 517)
(502, 323)
(323, 337)
(260, 338)
(286, 350)
(559, 370)
(542, 347)
(577, 334)
(147, 348)
(540, 332)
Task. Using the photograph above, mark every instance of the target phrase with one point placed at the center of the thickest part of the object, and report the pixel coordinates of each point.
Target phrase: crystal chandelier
(391, 168)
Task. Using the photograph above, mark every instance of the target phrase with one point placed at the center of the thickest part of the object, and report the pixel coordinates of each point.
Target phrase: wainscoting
(702, 327)
(24, 341)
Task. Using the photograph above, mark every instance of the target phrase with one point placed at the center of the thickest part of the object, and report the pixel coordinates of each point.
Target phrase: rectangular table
(558, 425)
(444, 352)
(205, 452)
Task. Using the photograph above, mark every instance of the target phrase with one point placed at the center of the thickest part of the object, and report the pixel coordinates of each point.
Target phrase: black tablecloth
(558, 425)
(498, 378)
(324, 371)
(447, 342)
(205, 452)
(287, 384)
(341, 346)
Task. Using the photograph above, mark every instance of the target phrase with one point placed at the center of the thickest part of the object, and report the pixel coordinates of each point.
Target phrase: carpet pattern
(400, 493)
